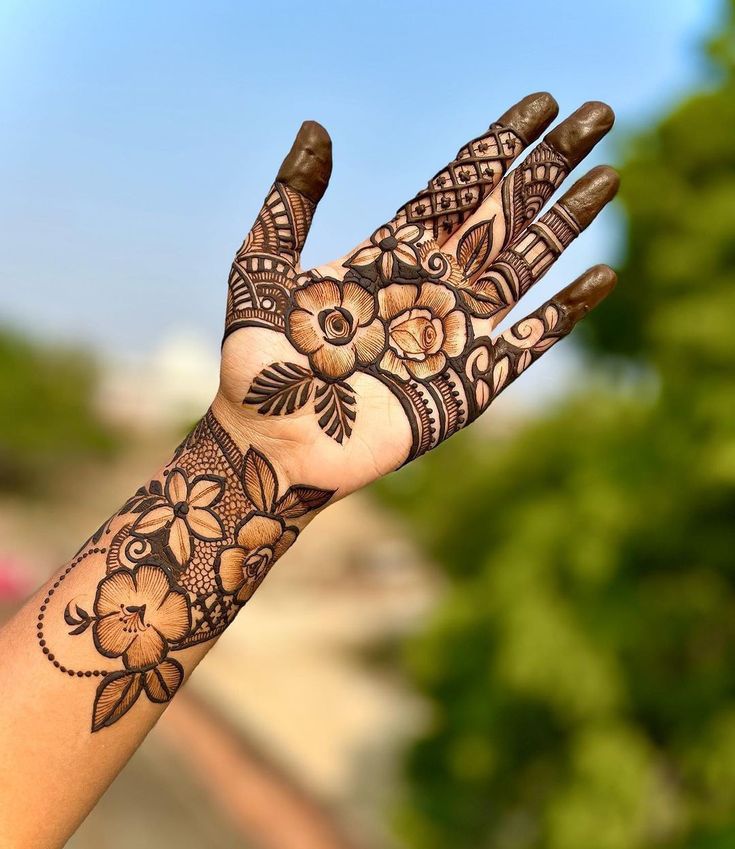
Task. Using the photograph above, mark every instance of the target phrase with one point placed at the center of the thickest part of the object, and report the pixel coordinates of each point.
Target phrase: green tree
(48, 420)
(581, 670)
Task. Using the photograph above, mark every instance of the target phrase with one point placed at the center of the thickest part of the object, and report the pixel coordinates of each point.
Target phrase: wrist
(230, 512)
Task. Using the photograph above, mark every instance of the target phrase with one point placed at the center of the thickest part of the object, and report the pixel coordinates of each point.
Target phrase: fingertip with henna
(308, 165)
(587, 197)
(576, 135)
(530, 116)
(587, 291)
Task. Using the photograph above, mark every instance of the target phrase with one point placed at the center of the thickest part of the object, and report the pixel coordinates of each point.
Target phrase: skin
(90, 662)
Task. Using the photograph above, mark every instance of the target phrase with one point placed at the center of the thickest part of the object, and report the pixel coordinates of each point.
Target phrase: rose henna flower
(138, 614)
(261, 540)
(425, 326)
(336, 327)
(185, 511)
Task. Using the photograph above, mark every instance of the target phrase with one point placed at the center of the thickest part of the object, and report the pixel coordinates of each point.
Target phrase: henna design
(413, 334)
(475, 247)
(490, 368)
(529, 186)
(392, 255)
(264, 270)
(456, 191)
(403, 309)
(403, 315)
(181, 557)
(518, 267)
(281, 389)
(189, 548)
(281, 226)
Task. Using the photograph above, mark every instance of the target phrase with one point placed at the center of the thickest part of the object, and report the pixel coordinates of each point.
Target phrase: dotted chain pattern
(79, 673)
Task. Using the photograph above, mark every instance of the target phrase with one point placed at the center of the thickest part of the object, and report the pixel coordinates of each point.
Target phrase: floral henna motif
(184, 512)
(407, 313)
(407, 306)
(261, 540)
(138, 613)
(335, 326)
(404, 310)
(415, 336)
(391, 256)
(425, 326)
(182, 556)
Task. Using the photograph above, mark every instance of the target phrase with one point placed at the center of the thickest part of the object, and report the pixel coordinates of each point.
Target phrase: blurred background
(537, 651)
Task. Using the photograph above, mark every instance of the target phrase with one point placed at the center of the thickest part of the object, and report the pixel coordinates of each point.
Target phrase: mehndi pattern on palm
(404, 309)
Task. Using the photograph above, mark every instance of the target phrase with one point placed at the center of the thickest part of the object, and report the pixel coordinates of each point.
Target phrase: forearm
(90, 662)
(332, 376)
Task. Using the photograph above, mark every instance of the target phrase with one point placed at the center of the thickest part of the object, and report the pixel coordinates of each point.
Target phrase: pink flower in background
(16, 578)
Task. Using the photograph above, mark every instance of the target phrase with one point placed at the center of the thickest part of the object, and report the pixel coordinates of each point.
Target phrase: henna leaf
(336, 403)
(300, 500)
(259, 480)
(144, 505)
(155, 488)
(162, 682)
(475, 246)
(116, 694)
(97, 535)
(280, 389)
(501, 372)
(80, 622)
(484, 298)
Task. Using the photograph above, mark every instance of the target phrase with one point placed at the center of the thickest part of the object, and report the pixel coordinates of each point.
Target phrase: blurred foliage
(581, 671)
(48, 422)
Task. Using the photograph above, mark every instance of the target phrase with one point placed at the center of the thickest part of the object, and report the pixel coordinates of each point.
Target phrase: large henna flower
(186, 510)
(424, 328)
(261, 540)
(392, 252)
(138, 614)
(335, 326)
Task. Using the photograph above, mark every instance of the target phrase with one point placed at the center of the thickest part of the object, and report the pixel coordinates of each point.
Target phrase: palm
(374, 359)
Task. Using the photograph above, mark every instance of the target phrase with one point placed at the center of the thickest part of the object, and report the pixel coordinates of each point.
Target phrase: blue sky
(139, 138)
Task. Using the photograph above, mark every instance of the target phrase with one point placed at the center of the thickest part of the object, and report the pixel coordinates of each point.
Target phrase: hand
(330, 378)
(365, 363)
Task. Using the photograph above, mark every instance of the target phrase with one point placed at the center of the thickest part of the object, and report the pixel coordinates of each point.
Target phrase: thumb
(264, 267)
(285, 217)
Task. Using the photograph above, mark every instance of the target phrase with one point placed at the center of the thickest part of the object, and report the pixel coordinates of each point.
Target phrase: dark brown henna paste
(308, 165)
